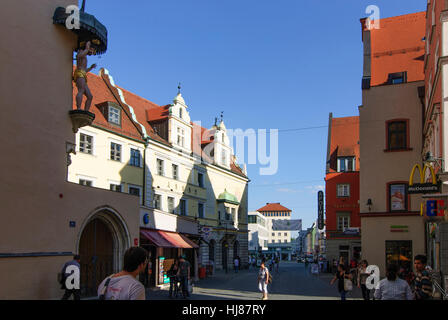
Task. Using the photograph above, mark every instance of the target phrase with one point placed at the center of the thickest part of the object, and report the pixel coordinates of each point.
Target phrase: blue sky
(267, 64)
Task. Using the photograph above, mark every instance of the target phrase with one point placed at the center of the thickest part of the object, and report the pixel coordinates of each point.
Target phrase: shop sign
(351, 231)
(422, 187)
(435, 208)
(320, 215)
(399, 229)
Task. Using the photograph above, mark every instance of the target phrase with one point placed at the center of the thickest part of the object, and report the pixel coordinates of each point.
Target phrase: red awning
(168, 239)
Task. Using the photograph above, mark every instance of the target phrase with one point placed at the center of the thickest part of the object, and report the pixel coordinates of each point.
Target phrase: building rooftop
(273, 207)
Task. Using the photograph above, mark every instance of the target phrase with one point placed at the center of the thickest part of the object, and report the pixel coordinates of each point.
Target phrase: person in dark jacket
(172, 274)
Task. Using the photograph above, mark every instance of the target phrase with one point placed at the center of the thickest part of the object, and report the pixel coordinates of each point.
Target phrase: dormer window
(397, 78)
(114, 115)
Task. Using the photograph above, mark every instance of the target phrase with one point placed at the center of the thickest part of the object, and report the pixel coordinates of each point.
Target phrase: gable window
(115, 151)
(175, 171)
(158, 201)
(115, 187)
(200, 210)
(85, 143)
(398, 197)
(346, 164)
(114, 115)
(180, 137)
(343, 190)
(201, 180)
(170, 204)
(397, 135)
(223, 157)
(135, 158)
(160, 167)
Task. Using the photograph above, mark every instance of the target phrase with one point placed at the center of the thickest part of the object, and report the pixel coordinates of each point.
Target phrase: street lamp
(369, 204)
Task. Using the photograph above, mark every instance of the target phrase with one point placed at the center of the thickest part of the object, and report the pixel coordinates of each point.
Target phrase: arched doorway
(97, 251)
(224, 254)
(101, 245)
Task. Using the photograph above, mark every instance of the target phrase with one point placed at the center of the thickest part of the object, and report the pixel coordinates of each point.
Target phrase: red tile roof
(398, 46)
(145, 112)
(273, 207)
(345, 136)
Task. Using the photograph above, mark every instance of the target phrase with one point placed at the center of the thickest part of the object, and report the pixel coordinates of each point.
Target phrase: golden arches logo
(422, 174)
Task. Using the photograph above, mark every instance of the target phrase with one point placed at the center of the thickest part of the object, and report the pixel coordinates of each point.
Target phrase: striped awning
(166, 239)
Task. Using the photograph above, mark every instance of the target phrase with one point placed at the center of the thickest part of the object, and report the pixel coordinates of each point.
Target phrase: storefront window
(399, 253)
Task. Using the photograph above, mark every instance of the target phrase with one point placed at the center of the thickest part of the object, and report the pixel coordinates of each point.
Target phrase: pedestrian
(277, 263)
(334, 266)
(263, 280)
(392, 287)
(184, 276)
(172, 274)
(236, 264)
(354, 270)
(362, 277)
(422, 284)
(124, 284)
(341, 275)
(64, 275)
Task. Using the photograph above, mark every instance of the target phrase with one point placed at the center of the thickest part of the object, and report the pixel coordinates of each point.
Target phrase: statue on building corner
(80, 76)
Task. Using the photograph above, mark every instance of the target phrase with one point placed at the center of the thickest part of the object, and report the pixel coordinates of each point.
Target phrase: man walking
(422, 283)
(124, 285)
(68, 292)
(184, 275)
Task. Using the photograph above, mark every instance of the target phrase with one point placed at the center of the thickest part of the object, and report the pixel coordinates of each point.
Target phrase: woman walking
(172, 274)
(393, 288)
(341, 275)
(362, 277)
(263, 279)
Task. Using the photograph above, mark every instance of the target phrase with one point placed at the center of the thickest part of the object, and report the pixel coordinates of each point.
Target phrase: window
(343, 190)
(400, 253)
(160, 167)
(346, 164)
(85, 182)
(286, 234)
(114, 115)
(343, 221)
(85, 143)
(180, 137)
(223, 157)
(279, 234)
(201, 180)
(251, 219)
(273, 234)
(200, 210)
(397, 135)
(396, 78)
(398, 197)
(180, 113)
(115, 187)
(233, 214)
(134, 191)
(183, 207)
(135, 157)
(175, 171)
(157, 201)
(273, 241)
(170, 204)
(115, 151)
(285, 241)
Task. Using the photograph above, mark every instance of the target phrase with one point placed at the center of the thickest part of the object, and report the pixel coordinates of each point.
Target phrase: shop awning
(168, 239)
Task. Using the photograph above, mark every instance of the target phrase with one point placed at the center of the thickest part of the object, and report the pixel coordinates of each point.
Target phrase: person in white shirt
(393, 288)
(124, 285)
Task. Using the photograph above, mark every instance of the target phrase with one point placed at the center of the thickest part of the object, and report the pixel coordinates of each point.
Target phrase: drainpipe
(144, 174)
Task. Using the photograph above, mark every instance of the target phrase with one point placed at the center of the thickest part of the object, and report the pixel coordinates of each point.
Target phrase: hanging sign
(320, 208)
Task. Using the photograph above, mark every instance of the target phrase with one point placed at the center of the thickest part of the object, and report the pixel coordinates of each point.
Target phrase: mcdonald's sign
(422, 187)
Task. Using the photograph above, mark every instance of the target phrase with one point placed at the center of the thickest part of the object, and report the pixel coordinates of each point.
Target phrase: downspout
(144, 174)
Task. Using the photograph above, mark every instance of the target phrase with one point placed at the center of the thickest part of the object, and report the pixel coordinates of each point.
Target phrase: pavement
(294, 281)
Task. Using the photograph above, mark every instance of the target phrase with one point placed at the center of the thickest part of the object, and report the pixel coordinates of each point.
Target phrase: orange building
(342, 221)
